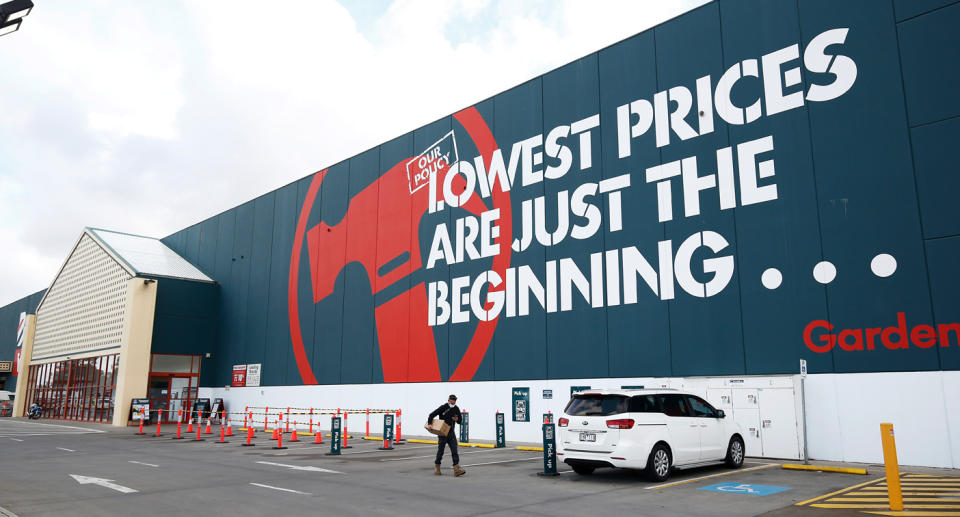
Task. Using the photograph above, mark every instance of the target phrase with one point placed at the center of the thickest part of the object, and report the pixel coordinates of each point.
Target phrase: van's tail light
(563, 422)
(622, 423)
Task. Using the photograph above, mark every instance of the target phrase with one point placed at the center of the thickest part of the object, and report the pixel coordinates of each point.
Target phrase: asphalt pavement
(61, 468)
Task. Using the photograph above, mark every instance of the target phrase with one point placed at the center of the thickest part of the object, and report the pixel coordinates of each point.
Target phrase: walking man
(450, 414)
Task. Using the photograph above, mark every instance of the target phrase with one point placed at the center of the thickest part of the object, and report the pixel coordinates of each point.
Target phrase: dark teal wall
(872, 171)
(9, 319)
(185, 322)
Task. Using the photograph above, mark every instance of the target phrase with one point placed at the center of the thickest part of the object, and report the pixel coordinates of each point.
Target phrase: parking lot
(53, 469)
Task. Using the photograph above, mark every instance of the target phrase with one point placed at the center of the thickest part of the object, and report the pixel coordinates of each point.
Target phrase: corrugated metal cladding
(828, 134)
(85, 309)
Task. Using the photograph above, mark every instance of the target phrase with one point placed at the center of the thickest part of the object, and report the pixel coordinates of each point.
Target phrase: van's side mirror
(721, 414)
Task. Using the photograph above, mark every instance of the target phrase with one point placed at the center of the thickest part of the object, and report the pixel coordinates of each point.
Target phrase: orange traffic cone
(318, 438)
(249, 437)
(229, 429)
(222, 435)
(279, 444)
(208, 430)
(190, 426)
(293, 437)
(276, 434)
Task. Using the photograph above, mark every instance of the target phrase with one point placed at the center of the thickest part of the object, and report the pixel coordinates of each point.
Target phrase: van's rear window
(596, 405)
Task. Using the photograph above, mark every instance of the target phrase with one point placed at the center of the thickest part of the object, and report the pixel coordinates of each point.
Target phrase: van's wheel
(583, 470)
(735, 452)
(658, 464)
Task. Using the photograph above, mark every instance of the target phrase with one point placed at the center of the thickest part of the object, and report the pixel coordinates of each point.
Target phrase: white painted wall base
(844, 411)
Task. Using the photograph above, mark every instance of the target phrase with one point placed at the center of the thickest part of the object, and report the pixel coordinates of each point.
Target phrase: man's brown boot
(436, 470)
(457, 471)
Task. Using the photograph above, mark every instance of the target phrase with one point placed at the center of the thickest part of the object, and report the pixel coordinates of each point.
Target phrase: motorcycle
(35, 412)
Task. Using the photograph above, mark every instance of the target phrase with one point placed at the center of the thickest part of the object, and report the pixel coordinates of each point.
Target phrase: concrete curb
(823, 468)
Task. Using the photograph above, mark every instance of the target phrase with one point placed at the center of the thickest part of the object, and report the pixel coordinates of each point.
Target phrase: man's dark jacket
(446, 413)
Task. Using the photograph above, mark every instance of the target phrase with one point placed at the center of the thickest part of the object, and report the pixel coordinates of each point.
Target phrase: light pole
(12, 13)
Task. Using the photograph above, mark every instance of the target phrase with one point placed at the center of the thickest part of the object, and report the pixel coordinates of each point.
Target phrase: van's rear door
(587, 430)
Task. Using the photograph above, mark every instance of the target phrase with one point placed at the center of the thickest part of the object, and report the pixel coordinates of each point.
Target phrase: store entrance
(173, 386)
(170, 393)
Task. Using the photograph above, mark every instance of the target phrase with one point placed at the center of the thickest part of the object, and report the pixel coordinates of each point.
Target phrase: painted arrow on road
(298, 467)
(86, 480)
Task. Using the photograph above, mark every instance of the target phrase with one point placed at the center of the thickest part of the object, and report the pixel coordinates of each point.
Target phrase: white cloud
(149, 117)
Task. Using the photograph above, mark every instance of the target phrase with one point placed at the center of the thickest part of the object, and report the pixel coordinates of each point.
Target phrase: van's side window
(646, 404)
(675, 405)
(701, 408)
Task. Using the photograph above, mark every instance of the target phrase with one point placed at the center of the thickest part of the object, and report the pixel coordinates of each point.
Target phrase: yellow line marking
(873, 491)
(821, 468)
(885, 506)
(732, 472)
(818, 498)
(935, 485)
(927, 481)
(884, 499)
(917, 514)
(930, 490)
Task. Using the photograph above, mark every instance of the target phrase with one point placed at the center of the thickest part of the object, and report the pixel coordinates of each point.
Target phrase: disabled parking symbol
(745, 489)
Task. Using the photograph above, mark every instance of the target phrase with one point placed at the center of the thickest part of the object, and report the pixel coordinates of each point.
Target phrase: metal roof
(148, 256)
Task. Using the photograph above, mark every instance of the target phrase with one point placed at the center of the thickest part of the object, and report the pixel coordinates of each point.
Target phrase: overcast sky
(146, 117)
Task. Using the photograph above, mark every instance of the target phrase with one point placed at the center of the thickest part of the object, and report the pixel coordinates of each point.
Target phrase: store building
(702, 205)
(101, 333)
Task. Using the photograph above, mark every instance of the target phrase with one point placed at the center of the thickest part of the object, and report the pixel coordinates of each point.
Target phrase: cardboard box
(438, 427)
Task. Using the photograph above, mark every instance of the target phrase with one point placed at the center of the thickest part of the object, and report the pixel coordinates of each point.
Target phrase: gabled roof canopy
(146, 256)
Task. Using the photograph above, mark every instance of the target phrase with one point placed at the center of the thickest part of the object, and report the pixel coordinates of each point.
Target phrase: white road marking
(374, 451)
(66, 449)
(142, 463)
(282, 489)
(106, 483)
(327, 447)
(24, 425)
(9, 435)
(16, 439)
(504, 461)
(488, 451)
(298, 467)
(728, 473)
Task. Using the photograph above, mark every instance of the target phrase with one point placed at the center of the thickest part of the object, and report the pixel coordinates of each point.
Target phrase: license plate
(588, 437)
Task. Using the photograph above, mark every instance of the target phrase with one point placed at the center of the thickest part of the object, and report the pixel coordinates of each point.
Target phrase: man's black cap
(452, 397)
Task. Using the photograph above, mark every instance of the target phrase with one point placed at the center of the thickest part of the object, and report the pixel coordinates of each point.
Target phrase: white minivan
(653, 430)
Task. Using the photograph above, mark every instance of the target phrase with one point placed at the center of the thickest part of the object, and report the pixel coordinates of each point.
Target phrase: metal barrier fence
(277, 421)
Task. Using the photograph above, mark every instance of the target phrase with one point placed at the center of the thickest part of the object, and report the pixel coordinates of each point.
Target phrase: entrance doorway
(173, 386)
(170, 393)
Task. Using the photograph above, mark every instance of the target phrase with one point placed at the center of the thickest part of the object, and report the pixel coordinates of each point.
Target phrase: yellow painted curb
(821, 468)
(462, 444)
(523, 448)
